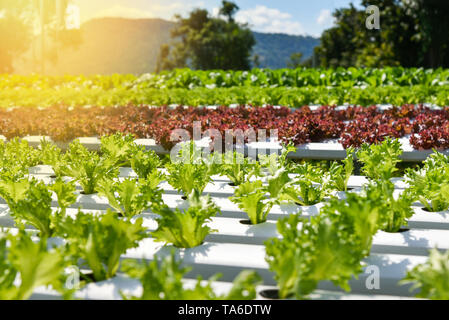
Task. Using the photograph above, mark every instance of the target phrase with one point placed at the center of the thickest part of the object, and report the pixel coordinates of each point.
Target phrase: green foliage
(33, 262)
(430, 184)
(330, 246)
(118, 148)
(30, 203)
(144, 162)
(340, 173)
(131, 197)
(380, 161)
(100, 240)
(51, 155)
(190, 171)
(411, 24)
(239, 168)
(295, 60)
(16, 156)
(431, 278)
(208, 43)
(251, 198)
(394, 211)
(313, 184)
(274, 162)
(162, 280)
(279, 185)
(185, 229)
(88, 168)
(288, 87)
(65, 192)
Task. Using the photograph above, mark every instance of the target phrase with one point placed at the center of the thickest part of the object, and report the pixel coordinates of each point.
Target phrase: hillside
(275, 49)
(116, 45)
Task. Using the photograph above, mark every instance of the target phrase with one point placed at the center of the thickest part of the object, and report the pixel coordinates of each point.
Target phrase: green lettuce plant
(380, 161)
(311, 185)
(186, 228)
(100, 240)
(118, 148)
(251, 198)
(144, 162)
(88, 168)
(32, 262)
(330, 246)
(394, 212)
(239, 168)
(431, 278)
(340, 173)
(162, 280)
(16, 156)
(131, 197)
(190, 171)
(430, 184)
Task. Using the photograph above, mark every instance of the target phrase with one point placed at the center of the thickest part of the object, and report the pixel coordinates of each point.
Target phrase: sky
(297, 17)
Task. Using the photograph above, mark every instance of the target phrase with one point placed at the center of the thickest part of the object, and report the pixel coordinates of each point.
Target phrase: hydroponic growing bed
(327, 223)
(319, 132)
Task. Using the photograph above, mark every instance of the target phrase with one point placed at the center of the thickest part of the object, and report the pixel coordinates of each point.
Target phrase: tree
(413, 34)
(339, 44)
(204, 42)
(14, 32)
(295, 60)
(228, 9)
(19, 18)
(256, 61)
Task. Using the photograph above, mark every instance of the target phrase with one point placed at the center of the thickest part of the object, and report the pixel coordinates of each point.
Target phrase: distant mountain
(275, 49)
(117, 45)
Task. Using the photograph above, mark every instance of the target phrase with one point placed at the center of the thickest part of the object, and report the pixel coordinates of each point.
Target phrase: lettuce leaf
(162, 280)
(185, 229)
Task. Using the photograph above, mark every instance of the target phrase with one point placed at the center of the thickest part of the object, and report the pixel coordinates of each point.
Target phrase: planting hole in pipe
(271, 294)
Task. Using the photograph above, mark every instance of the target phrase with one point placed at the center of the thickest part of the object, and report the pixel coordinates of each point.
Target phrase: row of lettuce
(424, 127)
(258, 96)
(265, 78)
(329, 246)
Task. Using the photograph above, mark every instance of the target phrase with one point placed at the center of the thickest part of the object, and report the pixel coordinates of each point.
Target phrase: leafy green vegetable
(432, 277)
(330, 246)
(101, 240)
(340, 173)
(131, 197)
(35, 265)
(274, 162)
(30, 203)
(88, 168)
(380, 161)
(162, 280)
(280, 186)
(185, 229)
(239, 168)
(7, 272)
(313, 185)
(394, 211)
(189, 172)
(430, 185)
(16, 156)
(51, 155)
(118, 148)
(65, 192)
(251, 198)
(144, 162)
